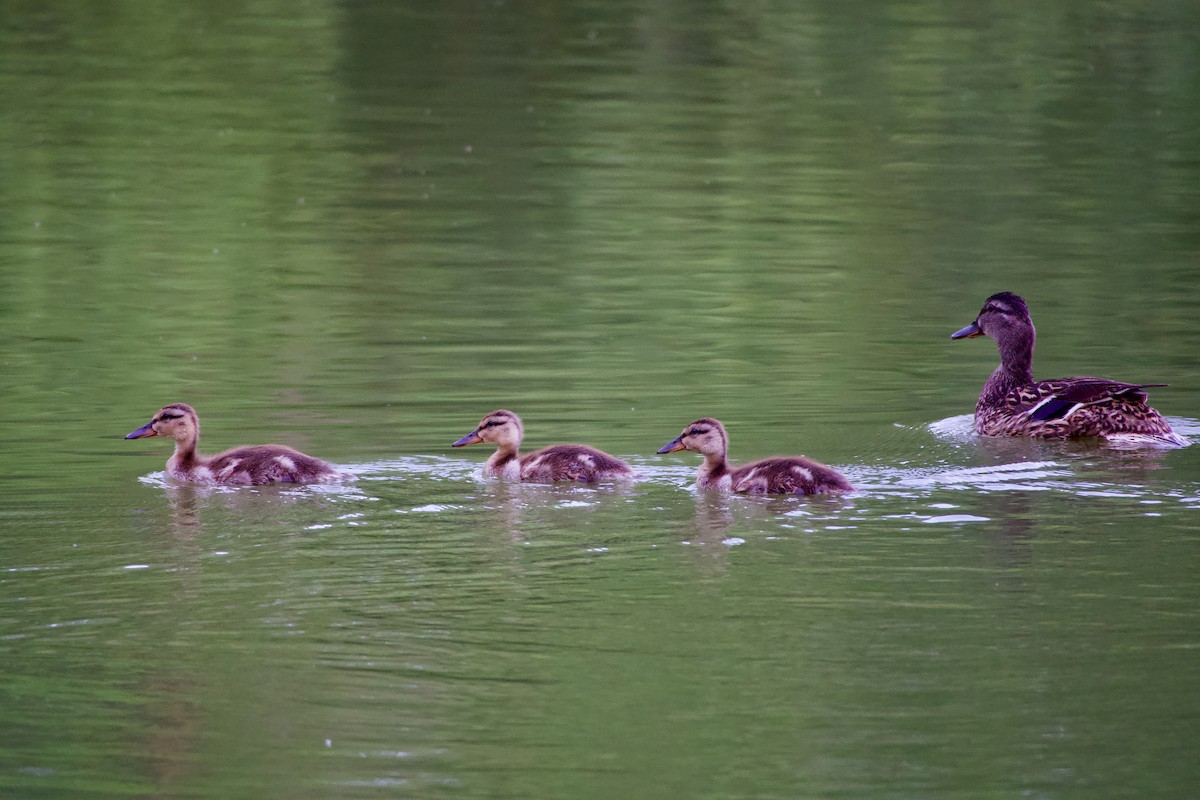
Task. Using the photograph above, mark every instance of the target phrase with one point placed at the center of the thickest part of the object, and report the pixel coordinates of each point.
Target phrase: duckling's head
(1004, 317)
(705, 436)
(501, 427)
(178, 421)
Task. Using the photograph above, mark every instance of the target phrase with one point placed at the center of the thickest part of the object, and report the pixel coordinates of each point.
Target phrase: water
(357, 228)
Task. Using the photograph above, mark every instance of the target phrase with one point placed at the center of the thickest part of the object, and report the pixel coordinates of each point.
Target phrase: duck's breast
(190, 472)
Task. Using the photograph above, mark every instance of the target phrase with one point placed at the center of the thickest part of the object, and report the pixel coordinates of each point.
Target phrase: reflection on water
(384, 618)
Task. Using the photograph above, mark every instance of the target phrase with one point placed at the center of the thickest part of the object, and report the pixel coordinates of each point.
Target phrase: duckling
(1012, 403)
(779, 475)
(560, 462)
(257, 464)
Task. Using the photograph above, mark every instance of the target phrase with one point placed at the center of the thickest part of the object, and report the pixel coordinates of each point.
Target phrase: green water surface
(357, 227)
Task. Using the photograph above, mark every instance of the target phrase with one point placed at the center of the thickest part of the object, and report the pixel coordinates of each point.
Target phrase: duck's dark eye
(166, 417)
(696, 432)
(491, 423)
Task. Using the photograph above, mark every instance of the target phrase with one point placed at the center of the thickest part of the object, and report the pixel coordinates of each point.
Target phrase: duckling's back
(269, 463)
(788, 475)
(572, 462)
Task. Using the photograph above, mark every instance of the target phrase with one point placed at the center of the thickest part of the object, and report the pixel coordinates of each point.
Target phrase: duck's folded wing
(1058, 399)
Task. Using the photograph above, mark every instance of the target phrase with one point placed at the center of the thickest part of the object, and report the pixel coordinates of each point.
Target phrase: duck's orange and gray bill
(672, 446)
(470, 438)
(969, 332)
(142, 432)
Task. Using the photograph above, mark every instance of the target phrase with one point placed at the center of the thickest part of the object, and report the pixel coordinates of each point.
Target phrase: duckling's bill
(470, 438)
(143, 432)
(673, 445)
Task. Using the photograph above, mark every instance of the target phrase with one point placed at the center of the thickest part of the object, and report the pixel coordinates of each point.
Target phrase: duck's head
(177, 421)
(1004, 317)
(705, 436)
(501, 427)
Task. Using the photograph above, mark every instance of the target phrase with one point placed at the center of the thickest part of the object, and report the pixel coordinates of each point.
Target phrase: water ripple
(961, 429)
(440, 487)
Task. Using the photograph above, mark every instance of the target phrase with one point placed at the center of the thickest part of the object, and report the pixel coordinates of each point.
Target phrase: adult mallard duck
(1012, 403)
(560, 462)
(779, 475)
(256, 464)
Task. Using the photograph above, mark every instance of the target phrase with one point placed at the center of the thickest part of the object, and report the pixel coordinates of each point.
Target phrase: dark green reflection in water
(358, 227)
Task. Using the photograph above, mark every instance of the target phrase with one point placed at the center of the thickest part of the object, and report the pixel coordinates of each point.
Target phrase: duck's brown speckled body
(253, 465)
(779, 475)
(1012, 403)
(560, 462)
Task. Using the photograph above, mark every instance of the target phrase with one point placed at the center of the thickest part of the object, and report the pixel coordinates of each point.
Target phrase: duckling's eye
(696, 432)
(491, 423)
(166, 417)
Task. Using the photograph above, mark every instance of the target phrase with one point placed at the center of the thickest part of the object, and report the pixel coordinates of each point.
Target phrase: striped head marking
(501, 427)
(706, 436)
(1006, 304)
(1003, 312)
(176, 421)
